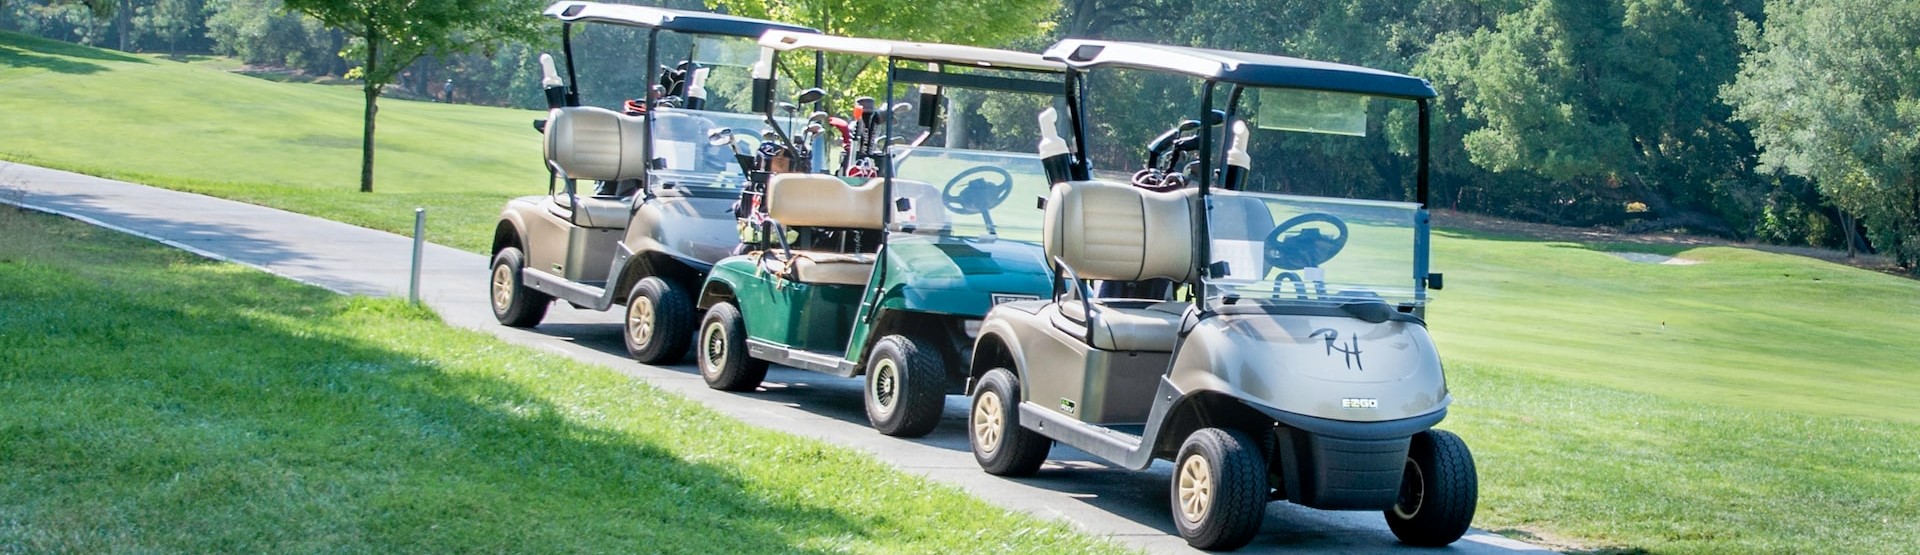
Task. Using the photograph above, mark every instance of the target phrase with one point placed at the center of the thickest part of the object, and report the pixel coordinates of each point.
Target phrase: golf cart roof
(573, 11)
(923, 51)
(1243, 68)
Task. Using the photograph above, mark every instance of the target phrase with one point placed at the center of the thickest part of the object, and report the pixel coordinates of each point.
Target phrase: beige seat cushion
(818, 200)
(1155, 328)
(819, 267)
(584, 142)
(1112, 231)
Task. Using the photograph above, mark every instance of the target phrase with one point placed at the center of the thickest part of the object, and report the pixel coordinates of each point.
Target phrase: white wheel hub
(1413, 492)
(502, 287)
(987, 421)
(884, 385)
(713, 349)
(640, 320)
(1196, 488)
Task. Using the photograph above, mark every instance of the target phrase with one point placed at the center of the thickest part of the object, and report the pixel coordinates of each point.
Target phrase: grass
(160, 402)
(194, 127)
(1752, 403)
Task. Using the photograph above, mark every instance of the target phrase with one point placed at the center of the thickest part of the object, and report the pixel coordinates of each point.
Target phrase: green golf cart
(889, 276)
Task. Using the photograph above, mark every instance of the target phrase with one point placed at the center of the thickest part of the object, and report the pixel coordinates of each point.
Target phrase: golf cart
(638, 204)
(889, 276)
(1287, 361)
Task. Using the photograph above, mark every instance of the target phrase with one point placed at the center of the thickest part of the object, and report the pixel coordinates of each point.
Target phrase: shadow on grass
(17, 50)
(202, 414)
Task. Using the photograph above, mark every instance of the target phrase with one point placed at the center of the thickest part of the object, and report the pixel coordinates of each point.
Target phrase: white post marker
(419, 244)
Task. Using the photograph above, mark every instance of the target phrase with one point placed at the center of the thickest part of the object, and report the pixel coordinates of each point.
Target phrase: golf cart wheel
(1219, 489)
(723, 351)
(515, 304)
(658, 318)
(1438, 491)
(906, 387)
(1000, 445)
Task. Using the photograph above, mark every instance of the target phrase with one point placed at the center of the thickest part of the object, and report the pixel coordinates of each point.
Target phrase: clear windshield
(1284, 248)
(968, 192)
(683, 143)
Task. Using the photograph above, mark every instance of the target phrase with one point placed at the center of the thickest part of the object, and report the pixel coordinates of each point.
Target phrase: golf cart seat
(801, 200)
(587, 143)
(1109, 231)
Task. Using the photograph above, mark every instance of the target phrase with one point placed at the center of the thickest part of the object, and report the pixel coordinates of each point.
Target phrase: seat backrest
(584, 142)
(819, 200)
(1110, 231)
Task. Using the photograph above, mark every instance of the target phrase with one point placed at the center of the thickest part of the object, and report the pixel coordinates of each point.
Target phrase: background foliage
(1787, 121)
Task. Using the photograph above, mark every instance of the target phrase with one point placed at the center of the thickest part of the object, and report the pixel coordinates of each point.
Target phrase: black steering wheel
(1308, 248)
(964, 196)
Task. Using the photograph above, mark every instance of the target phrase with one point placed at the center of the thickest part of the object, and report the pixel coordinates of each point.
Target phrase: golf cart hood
(1324, 366)
(935, 274)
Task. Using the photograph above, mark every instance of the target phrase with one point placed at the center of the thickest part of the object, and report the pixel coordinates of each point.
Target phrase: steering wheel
(1308, 248)
(963, 196)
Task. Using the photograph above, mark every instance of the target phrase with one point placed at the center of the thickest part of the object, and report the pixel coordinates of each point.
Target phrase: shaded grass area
(194, 127)
(159, 402)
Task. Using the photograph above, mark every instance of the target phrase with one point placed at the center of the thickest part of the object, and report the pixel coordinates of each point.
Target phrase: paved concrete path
(1131, 507)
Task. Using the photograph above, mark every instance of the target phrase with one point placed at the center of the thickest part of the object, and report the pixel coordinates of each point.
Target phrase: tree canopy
(1831, 89)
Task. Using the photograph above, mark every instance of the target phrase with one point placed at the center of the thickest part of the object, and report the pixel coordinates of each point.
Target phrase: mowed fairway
(1754, 402)
(291, 146)
(157, 402)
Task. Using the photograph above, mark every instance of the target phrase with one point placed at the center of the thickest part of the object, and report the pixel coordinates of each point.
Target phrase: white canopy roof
(924, 51)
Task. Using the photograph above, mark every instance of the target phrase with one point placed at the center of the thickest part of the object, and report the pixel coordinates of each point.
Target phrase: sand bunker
(1650, 258)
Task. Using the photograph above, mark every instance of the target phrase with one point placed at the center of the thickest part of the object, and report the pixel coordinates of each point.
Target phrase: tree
(391, 34)
(1831, 89)
(992, 23)
(1604, 100)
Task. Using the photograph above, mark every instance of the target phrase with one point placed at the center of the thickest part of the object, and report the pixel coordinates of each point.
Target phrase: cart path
(1131, 507)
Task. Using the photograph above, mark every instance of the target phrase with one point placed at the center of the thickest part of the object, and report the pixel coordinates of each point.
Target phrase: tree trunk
(122, 20)
(372, 90)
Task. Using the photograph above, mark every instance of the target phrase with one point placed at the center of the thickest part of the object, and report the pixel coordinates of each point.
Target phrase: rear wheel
(515, 304)
(1000, 445)
(723, 351)
(658, 321)
(1439, 490)
(1219, 489)
(906, 386)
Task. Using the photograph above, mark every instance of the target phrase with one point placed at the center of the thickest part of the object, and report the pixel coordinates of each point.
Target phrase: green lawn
(1754, 402)
(196, 128)
(158, 402)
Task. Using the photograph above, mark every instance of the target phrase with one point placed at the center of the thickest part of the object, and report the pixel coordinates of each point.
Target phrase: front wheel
(723, 351)
(1000, 445)
(515, 304)
(1219, 489)
(658, 318)
(906, 387)
(1439, 490)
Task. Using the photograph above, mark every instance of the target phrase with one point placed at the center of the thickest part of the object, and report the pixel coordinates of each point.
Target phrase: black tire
(1439, 491)
(1000, 445)
(723, 351)
(1220, 489)
(514, 304)
(658, 326)
(906, 386)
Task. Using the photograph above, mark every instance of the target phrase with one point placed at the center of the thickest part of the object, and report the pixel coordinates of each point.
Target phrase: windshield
(1284, 248)
(683, 144)
(968, 193)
